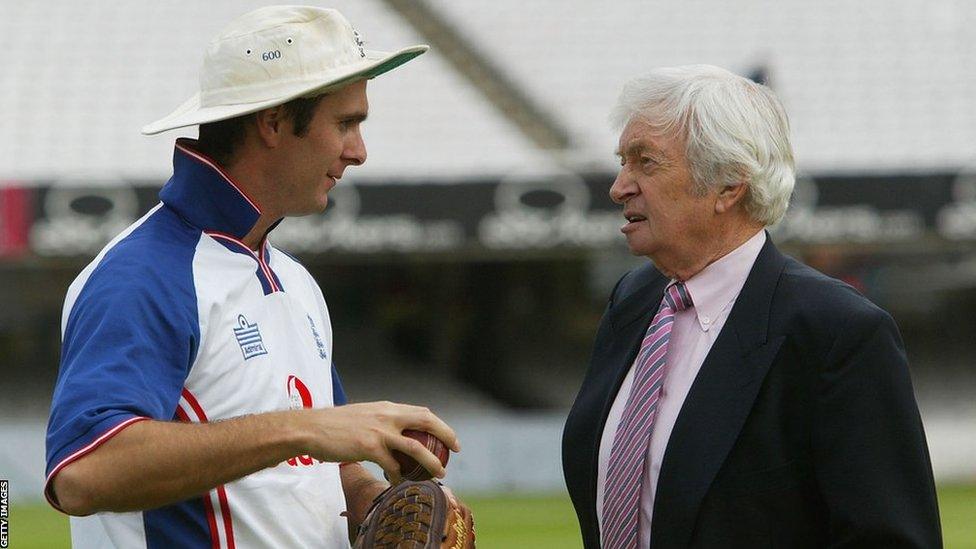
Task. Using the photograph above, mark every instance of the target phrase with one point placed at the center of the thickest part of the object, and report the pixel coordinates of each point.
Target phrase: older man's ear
(729, 196)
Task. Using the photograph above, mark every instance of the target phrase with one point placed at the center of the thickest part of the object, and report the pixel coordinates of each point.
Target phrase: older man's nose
(622, 189)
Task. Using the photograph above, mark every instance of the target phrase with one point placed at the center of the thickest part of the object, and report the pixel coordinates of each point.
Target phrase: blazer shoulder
(635, 280)
(825, 304)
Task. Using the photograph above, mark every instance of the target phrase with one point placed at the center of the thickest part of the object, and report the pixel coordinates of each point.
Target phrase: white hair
(736, 131)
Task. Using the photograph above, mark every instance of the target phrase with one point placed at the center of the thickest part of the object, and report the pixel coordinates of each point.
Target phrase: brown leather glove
(417, 515)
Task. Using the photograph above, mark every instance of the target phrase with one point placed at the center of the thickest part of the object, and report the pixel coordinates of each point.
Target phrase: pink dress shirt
(713, 291)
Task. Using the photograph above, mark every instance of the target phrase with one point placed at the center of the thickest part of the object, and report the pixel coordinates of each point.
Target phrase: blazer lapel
(629, 320)
(717, 404)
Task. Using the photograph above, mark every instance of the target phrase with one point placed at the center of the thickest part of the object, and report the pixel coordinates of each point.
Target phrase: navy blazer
(801, 429)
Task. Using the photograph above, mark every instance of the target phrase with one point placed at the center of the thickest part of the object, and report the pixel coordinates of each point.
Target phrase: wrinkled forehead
(642, 134)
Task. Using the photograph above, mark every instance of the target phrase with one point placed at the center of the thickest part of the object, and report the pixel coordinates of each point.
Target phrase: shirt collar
(715, 288)
(206, 196)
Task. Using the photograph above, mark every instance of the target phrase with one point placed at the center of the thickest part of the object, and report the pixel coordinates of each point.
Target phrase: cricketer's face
(667, 219)
(317, 160)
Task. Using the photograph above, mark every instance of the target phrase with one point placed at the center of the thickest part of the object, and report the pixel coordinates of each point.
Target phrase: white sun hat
(274, 54)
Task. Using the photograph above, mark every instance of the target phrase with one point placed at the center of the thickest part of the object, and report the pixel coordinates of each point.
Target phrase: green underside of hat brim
(393, 63)
(373, 72)
(185, 119)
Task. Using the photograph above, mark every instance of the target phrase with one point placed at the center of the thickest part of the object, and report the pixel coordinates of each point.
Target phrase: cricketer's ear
(729, 196)
(270, 125)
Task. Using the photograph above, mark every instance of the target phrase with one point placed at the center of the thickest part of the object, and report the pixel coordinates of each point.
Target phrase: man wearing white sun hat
(197, 403)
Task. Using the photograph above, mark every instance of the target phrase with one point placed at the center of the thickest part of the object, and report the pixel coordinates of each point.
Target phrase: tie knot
(677, 297)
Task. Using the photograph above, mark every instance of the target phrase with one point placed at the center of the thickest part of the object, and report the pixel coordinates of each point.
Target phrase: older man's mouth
(633, 221)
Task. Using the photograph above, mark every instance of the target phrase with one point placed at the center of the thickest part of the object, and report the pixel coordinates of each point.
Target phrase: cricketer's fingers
(419, 452)
(422, 419)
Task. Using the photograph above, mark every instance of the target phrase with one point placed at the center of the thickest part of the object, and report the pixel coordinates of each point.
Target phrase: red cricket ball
(411, 469)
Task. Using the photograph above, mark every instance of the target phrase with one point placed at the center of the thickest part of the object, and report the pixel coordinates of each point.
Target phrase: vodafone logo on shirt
(299, 397)
(298, 394)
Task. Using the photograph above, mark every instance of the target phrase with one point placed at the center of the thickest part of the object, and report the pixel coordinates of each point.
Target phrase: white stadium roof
(870, 86)
(81, 78)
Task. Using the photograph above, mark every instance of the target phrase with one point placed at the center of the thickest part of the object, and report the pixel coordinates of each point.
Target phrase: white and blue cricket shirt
(176, 319)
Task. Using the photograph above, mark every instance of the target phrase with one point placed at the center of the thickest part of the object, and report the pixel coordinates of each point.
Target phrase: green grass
(540, 522)
(37, 527)
(531, 522)
(957, 504)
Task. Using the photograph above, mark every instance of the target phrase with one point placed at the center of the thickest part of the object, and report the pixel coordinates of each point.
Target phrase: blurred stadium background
(466, 265)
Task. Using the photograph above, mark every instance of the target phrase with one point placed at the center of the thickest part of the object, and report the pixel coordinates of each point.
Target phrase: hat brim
(191, 113)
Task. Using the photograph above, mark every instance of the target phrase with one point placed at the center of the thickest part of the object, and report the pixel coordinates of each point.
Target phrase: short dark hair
(220, 140)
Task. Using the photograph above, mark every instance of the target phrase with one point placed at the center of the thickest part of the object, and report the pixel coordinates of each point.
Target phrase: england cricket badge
(359, 43)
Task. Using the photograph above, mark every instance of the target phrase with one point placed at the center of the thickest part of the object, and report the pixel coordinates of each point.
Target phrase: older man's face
(666, 219)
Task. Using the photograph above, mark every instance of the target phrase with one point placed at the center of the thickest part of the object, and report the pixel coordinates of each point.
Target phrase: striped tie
(621, 503)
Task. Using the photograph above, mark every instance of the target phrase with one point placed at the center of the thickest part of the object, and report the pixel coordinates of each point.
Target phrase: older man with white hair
(736, 397)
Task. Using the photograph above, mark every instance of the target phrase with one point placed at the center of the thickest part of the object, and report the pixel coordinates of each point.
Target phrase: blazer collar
(750, 314)
(640, 303)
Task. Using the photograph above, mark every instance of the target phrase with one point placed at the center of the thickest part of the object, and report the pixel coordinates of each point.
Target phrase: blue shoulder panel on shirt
(338, 393)
(130, 339)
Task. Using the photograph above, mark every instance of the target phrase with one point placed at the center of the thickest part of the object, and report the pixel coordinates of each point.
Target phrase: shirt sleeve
(130, 337)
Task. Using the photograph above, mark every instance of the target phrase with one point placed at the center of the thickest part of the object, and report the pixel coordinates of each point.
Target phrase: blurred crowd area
(467, 264)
